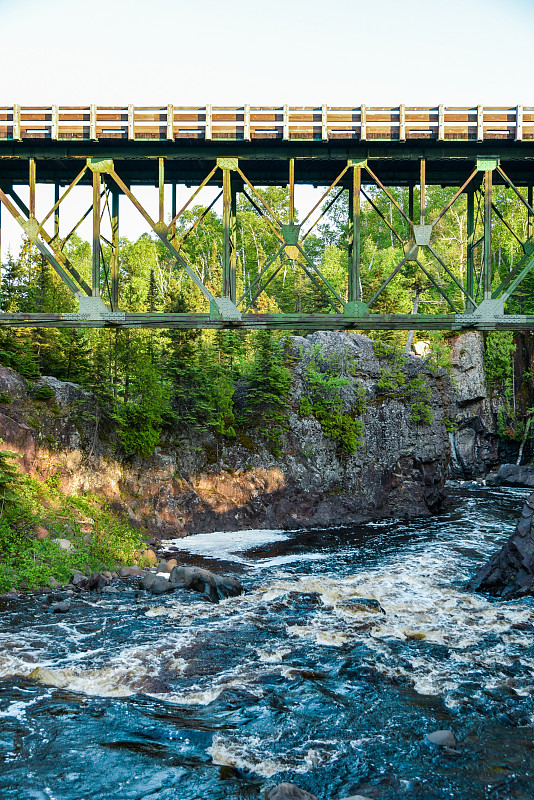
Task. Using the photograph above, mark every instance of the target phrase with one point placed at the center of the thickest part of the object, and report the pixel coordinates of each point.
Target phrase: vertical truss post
(56, 212)
(488, 185)
(354, 289)
(161, 188)
(422, 199)
(95, 282)
(530, 218)
(114, 250)
(32, 176)
(470, 278)
(233, 241)
(229, 262)
(173, 213)
(291, 191)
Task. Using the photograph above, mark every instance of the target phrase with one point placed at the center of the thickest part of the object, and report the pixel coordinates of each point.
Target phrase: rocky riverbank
(419, 424)
(196, 481)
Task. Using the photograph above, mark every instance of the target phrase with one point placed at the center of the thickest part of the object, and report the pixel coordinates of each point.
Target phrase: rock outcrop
(510, 572)
(513, 475)
(474, 442)
(197, 482)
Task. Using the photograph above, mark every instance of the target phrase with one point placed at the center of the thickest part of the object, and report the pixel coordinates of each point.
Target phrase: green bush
(43, 393)
(324, 385)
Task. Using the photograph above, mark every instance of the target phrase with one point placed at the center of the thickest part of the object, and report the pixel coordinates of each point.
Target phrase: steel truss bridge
(115, 150)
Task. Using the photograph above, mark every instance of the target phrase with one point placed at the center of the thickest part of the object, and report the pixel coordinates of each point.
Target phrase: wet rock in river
(97, 582)
(512, 475)
(356, 797)
(510, 572)
(60, 608)
(157, 584)
(215, 587)
(288, 791)
(443, 738)
(365, 604)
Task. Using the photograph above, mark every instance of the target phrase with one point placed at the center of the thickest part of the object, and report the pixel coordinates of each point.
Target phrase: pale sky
(381, 52)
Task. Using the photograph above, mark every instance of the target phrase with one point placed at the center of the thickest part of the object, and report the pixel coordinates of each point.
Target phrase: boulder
(97, 582)
(60, 608)
(510, 572)
(64, 544)
(356, 797)
(288, 791)
(78, 579)
(148, 556)
(128, 572)
(512, 475)
(215, 587)
(163, 567)
(361, 604)
(157, 584)
(40, 533)
(443, 738)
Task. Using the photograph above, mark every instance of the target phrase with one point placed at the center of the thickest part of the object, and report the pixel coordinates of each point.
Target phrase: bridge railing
(360, 123)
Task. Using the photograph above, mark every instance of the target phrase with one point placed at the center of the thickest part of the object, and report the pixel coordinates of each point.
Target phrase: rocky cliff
(196, 481)
(474, 442)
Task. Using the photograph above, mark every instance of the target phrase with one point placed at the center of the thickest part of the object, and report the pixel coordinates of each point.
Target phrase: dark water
(174, 698)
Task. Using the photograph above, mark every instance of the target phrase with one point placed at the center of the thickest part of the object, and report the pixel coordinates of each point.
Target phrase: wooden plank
(131, 122)
(207, 123)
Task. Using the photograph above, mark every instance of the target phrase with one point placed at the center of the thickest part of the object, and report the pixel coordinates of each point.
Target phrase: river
(173, 698)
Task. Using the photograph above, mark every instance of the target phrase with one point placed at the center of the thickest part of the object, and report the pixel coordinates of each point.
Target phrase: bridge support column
(355, 288)
(470, 277)
(530, 217)
(95, 282)
(114, 250)
(488, 185)
(229, 236)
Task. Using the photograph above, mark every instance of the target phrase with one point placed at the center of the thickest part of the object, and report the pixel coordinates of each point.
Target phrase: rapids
(131, 696)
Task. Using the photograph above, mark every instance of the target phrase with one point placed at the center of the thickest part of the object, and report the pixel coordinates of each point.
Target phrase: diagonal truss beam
(50, 255)
(161, 235)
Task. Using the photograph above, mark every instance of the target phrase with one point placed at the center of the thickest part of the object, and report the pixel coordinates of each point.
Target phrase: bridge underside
(361, 171)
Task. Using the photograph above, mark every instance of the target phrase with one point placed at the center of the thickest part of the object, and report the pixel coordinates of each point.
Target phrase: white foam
(225, 545)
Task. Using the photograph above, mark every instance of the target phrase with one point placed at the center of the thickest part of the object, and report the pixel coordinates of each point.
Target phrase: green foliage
(43, 393)
(440, 352)
(498, 362)
(141, 419)
(392, 383)
(324, 399)
(9, 477)
(5, 399)
(450, 425)
(305, 407)
(268, 385)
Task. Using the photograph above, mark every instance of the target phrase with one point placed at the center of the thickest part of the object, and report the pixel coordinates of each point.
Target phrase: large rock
(513, 475)
(288, 791)
(215, 587)
(157, 584)
(510, 572)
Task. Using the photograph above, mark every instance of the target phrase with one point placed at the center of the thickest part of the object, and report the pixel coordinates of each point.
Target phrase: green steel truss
(472, 167)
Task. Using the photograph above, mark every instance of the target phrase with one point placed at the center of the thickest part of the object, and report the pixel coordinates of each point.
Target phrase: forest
(149, 380)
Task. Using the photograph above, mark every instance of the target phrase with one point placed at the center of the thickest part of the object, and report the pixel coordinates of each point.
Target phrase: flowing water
(174, 698)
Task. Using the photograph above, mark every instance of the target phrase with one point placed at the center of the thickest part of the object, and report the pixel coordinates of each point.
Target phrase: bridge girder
(115, 169)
